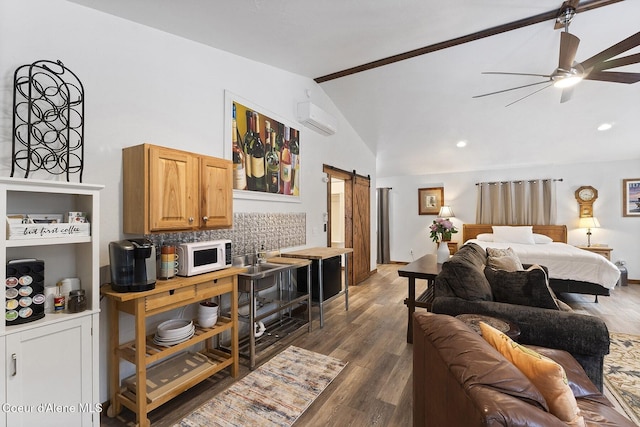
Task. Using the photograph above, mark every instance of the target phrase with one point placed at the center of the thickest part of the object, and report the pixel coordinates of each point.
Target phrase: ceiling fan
(570, 72)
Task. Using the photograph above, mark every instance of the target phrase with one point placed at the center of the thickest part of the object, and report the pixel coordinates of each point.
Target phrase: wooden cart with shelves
(168, 295)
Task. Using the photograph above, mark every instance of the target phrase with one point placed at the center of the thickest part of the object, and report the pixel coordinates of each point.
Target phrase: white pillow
(485, 237)
(508, 234)
(541, 239)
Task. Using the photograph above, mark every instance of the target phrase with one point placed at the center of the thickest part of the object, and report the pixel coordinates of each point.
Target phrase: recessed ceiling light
(605, 126)
(461, 144)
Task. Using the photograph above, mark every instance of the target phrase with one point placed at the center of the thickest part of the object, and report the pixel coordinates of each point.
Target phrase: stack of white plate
(173, 332)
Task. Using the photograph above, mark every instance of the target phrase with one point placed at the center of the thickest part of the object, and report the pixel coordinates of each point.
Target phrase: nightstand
(453, 247)
(605, 251)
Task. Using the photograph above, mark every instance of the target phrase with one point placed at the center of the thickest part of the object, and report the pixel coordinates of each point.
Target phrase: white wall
(144, 85)
(337, 213)
(408, 230)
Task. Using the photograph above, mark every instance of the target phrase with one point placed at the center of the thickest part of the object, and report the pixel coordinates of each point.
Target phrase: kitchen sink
(262, 276)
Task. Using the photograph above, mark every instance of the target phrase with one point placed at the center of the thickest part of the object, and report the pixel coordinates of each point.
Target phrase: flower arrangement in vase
(441, 230)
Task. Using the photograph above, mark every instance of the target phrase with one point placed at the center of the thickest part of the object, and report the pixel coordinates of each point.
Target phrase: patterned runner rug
(275, 394)
(622, 373)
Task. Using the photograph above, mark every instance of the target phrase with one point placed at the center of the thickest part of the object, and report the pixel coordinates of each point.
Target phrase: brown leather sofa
(461, 380)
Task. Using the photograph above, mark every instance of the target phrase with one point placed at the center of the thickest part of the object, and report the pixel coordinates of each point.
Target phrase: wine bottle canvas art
(265, 151)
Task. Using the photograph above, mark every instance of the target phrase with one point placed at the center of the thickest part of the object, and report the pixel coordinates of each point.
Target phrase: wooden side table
(605, 251)
(427, 268)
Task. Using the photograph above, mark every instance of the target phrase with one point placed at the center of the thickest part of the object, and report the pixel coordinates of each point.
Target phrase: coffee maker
(133, 265)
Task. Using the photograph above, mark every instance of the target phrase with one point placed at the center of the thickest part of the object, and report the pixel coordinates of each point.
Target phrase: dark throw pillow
(529, 287)
(463, 275)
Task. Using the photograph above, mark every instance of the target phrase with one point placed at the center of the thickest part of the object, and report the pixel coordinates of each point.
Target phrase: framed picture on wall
(265, 150)
(631, 197)
(430, 200)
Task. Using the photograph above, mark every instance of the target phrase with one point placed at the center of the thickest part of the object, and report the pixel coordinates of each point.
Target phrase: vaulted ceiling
(413, 112)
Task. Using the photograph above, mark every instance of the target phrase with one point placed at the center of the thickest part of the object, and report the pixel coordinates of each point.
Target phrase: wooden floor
(375, 387)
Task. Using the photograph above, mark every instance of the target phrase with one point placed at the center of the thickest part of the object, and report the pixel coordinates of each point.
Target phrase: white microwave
(203, 257)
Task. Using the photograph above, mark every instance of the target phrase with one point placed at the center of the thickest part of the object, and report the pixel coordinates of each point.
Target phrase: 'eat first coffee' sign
(47, 231)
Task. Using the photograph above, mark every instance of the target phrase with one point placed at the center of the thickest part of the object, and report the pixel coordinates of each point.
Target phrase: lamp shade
(446, 212)
(591, 222)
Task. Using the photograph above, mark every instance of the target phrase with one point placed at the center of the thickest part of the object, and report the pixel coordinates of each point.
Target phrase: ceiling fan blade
(517, 74)
(567, 93)
(613, 76)
(615, 50)
(568, 48)
(526, 96)
(618, 62)
(510, 89)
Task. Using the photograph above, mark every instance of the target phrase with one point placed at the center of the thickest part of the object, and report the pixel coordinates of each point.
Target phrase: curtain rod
(520, 181)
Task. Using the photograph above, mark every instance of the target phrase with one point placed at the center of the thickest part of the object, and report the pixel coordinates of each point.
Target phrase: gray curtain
(517, 202)
(384, 255)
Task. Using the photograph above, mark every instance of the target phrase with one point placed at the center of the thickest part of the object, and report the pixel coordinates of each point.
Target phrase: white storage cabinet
(51, 365)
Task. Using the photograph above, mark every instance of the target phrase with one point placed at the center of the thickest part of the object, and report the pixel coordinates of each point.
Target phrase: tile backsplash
(250, 231)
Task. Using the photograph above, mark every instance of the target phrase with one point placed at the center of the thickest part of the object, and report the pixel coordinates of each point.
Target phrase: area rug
(275, 394)
(622, 373)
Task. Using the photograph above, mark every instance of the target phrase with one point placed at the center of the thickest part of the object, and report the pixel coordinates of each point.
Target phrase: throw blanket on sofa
(563, 261)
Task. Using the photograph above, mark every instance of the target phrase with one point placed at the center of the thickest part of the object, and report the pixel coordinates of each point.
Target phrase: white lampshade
(591, 222)
(446, 212)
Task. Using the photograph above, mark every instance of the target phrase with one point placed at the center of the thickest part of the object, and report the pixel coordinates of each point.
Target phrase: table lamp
(446, 212)
(589, 223)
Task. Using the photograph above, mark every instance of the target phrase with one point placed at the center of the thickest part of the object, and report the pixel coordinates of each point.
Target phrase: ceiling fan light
(567, 82)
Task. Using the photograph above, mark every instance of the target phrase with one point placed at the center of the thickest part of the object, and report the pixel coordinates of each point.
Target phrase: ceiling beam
(551, 15)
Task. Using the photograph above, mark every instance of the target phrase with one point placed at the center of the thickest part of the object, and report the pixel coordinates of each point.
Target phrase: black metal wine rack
(48, 120)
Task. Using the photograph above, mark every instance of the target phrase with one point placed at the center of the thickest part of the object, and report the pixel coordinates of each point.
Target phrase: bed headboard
(557, 232)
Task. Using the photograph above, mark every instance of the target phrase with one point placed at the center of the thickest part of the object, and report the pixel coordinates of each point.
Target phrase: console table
(427, 268)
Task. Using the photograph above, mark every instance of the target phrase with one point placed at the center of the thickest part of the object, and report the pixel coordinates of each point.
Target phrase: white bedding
(563, 261)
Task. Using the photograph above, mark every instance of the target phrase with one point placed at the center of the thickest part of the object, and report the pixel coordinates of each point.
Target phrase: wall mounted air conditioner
(316, 118)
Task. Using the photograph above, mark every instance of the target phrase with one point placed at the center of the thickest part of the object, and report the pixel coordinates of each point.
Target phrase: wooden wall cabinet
(172, 190)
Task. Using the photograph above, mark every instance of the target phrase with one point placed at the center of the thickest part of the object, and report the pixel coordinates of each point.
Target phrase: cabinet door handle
(14, 359)
(190, 219)
(205, 218)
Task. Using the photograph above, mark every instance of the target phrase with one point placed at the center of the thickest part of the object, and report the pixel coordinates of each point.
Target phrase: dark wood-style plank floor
(375, 387)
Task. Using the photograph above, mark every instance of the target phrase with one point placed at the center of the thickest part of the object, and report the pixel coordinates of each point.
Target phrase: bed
(570, 269)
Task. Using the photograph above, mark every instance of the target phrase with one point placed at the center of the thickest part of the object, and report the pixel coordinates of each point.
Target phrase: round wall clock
(585, 196)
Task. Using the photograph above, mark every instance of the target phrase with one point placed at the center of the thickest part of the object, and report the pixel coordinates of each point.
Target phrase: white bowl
(207, 321)
(207, 308)
(174, 328)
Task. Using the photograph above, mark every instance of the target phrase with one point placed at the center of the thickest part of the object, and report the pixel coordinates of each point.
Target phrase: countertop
(318, 253)
(299, 262)
(172, 284)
